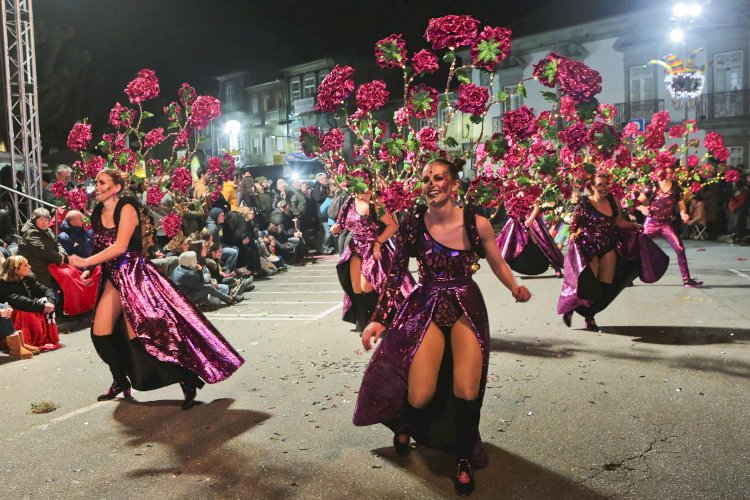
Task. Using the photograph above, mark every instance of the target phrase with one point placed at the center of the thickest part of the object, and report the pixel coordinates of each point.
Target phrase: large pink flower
(401, 116)
(76, 199)
(732, 176)
(187, 94)
(92, 167)
(713, 141)
(520, 123)
(120, 116)
(428, 139)
(372, 95)
(309, 140)
(390, 52)
(144, 87)
(154, 196)
(171, 224)
(181, 179)
(205, 108)
(492, 47)
(721, 154)
(335, 88)
(58, 189)
(153, 137)
(575, 136)
(125, 160)
(79, 137)
(604, 138)
(578, 80)
(472, 98)
(451, 31)
(331, 141)
(424, 61)
(545, 71)
(423, 101)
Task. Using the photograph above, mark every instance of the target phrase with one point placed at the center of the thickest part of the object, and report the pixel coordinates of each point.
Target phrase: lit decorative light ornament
(687, 85)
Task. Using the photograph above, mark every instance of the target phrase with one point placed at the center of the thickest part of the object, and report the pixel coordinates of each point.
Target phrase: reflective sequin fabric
(662, 204)
(596, 234)
(660, 222)
(364, 230)
(165, 321)
(445, 292)
(514, 237)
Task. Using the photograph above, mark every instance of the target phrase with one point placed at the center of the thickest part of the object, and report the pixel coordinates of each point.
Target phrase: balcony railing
(721, 105)
(273, 116)
(627, 111)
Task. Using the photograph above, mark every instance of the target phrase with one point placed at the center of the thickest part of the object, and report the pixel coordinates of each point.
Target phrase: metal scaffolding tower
(19, 68)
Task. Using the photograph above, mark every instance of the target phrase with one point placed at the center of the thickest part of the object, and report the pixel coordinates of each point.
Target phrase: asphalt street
(654, 407)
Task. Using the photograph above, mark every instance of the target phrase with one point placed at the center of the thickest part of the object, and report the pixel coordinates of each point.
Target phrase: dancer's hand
(49, 307)
(376, 246)
(371, 335)
(77, 261)
(6, 312)
(528, 222)
(335, 229)
(521, 294)
(86, 278)
(685, 217)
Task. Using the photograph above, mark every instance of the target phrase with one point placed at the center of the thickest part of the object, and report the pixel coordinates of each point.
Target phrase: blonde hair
(10, 266)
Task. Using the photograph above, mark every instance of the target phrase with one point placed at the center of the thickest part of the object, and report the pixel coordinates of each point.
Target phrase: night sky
(195, 40)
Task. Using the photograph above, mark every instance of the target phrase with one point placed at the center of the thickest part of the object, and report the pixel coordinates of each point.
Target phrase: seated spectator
(176, 245)
(237, 285)
(33, 304)
(214, 227)
(236, 235)
(74, 238)
(282, 219)
(697, 216)
(40, 248)
(7, 234)
(188, 276)
(11, 339)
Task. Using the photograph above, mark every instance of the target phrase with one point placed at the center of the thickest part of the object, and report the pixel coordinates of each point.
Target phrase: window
(280, 143)
(242, 143)
(641, 83)
(229, 92)
(514, 100)
(266, 102)
(294, 87)
(323, 74)
(309, 86)
(484, 78)
(728, 71)
(735, 155)
(255, 104)
(256, 146)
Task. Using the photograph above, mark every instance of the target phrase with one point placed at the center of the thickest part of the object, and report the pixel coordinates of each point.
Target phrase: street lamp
(232, 129)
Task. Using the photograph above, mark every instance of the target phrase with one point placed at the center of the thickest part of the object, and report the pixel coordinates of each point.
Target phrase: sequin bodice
(104, 238)
(662, 204)
(439, 262)
(598, 232)
(362, 227)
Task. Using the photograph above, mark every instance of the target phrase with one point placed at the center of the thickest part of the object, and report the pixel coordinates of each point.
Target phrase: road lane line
(329, 311)
(257, 292)
(298, 283)
(71, 415)
(739, 273)
(252, 302)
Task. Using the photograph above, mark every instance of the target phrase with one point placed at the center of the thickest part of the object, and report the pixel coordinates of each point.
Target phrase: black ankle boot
(190, 391)
(467, 430)
(400, 444)
(107, 351)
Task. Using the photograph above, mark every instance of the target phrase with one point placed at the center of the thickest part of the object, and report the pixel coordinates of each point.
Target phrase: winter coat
(214, 229)
(24, 295)
(229, 190)
(319, 192)
(191, 282)
(235, 229)
(76, 240)
(41, 249)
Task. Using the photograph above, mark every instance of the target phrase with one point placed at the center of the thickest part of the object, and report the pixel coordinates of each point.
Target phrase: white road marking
(299, 283)
(739, 272)
(257, 292)
(71, 414)
(329, 311)
(251, 302)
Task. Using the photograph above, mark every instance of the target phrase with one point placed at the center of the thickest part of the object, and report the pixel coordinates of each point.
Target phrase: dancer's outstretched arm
(497, 263)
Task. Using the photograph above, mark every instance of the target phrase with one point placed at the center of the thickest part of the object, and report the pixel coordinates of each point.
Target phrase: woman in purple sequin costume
(658, 204)
(526, 245)
(364, 264)
(165, 339)
(606, 253)
(426, 379)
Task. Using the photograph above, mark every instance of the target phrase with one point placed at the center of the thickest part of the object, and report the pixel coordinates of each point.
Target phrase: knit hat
(188, 259)
(214, 213)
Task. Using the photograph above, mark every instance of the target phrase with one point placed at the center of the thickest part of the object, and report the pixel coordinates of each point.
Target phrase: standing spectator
(39, 246)
(265, 202)
(74, 238)
(738, 207)
(33, 304)
(309, 220)
(7, 234)
(247, 193)
(63, 174)
(712, 202)
(229, 191)
(320, 190)
(200, 185)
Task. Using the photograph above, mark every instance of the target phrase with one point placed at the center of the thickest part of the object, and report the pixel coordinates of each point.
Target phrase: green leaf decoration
(463, 77)
(391, 51)
(449, 57)
(487, 50)
(502, 96)
(550, 70)
(589, 168)
(173, 126)
(421, 101)
(476, 119)
(146, 114)
(521, 89)
(587, 110)
(550, 97)
(450, 142)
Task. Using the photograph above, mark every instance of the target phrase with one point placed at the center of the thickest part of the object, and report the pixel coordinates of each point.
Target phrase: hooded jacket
(41, 249)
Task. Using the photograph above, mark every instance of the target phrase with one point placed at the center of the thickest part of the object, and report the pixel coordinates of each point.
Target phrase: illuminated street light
(232, 129)
(677, 35)
(694, 10)
(686, 10)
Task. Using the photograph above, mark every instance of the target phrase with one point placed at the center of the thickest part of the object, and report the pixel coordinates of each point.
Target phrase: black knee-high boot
(370, 300)
(108, 352)
(467, 430)
(358, 302)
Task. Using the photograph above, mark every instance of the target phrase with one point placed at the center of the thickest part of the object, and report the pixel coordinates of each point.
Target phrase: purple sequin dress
(167, 324)
(528, 250)
(445, 292)
(637, 256)
(364, 230)
(660, 222)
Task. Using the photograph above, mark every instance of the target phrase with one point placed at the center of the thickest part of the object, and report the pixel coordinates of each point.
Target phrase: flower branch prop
(131, 149)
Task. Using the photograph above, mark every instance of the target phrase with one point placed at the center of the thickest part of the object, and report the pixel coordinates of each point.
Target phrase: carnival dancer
(166, 339)
(658, 205)
(526, 245)
(606, 252)
(364, 264)
(409, 384)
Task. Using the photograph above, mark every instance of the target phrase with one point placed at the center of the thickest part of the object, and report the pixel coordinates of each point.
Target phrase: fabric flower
(154, 196)
(172, 111)
(92, 167)
(713, 141)
(692, 161)
(214, 165)
(335, 88)
(575, 136)
(721, 154)
(401, 116)
(331, 141)
(181, 179)
(144, 87)
(125, 160)
(545, 71)
(732, 176)
(58, 189)
(605, 138)
(79, 137)
(187, 95)
(578, 81)
(492, 47)
(153, 137)
(423, 101)
(428, 139)
(76, 199)
(705, 171)
(520, 123)
(472, 98)
(424, 61)
(372, 95)
(309, 140)
(205, 108)
(120, 116)
(181, 140)
(171, 224)
(390, 52)
(695, 187)
(451, 31)
(675, 132)
(631, 129)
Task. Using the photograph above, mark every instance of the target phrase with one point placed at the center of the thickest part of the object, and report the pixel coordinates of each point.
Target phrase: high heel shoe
(115, 389)
(401, 447)
(190, 391)
(464, 482)
(591, 325)
(568, 318)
